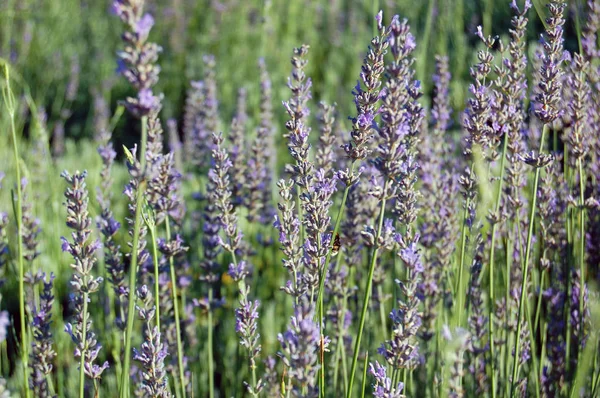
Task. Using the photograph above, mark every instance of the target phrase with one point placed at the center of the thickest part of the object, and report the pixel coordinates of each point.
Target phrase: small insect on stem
(335, 247)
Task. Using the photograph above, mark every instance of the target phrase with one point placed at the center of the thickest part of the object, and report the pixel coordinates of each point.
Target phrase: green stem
(364, 380)
(492, 297)
(83, 346)
(176, 311)
(596, 377)
(336, 228)
(526, 265)
(363, 314)
(134, 261)
(382, 314)
(538, 308)
(211, 371)
(581, 246)
(460, 289)
(152, 230)
(320, 294)
(9, 100)
(340, 349)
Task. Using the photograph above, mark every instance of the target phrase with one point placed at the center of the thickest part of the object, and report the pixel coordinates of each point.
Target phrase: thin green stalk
(364, 380)
(139, 199)
(176, 311)
(532, 342)
(152, 230)
(538, 308)
(526, 265)
(422, 56)
(492, 297)
(363, 314)
(211, 370)
(9, 100)
(543, 351)
(596, 377)
(582, 242)
(320, 294)
(84, 344)
(336, 228)
(382, 314)
(460, 288)
(340, 350)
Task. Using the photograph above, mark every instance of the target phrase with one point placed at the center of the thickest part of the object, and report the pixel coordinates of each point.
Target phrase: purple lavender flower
(401, 351)
(137, 62)
(325, 157)
(30, 228)
(83, 249)
(298, 111)
(265, 140)
(135, 183)
(109, 227)
(478, 322)
(316, 203)
(202, 116)
(366, 98)
(153, 352)
(299, 351)
(191, 120)
(42, 353)
(246, 325)
(547, 102)
(237, 139)
(383, 387)
(288, 225)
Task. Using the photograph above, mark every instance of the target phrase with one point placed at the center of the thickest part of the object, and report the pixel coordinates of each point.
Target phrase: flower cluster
(137, 62)
(83, 249)
(153, 352)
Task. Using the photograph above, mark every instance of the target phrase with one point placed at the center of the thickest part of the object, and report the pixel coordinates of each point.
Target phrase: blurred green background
(50, 43)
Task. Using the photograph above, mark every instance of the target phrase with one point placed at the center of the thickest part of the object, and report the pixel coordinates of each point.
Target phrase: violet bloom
(137, 62)
(514, 90)
(30, 228)
(192, 123)
(297, 126)
(135, 182)
(288, 225)
(247, 314)
(42, 353)
(383, 387)
(366, 95)
(109, 227)
(153, 352)
(316, 203)
(262, 157)
(237, 139)
(265, 139)
(299, 351)
(547, 106)
(478, 321)
(325, 157)
(83, 283)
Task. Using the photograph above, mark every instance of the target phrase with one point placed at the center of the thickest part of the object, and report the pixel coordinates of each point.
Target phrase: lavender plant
(388, 287)
(82, 248)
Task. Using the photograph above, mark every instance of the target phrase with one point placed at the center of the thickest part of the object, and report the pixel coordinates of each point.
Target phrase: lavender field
(268, 198)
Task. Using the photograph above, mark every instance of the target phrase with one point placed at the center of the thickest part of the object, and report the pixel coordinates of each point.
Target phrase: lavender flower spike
(42, 352)
(137, 62)
(153, 352)
(383, 384)
(82, 248)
